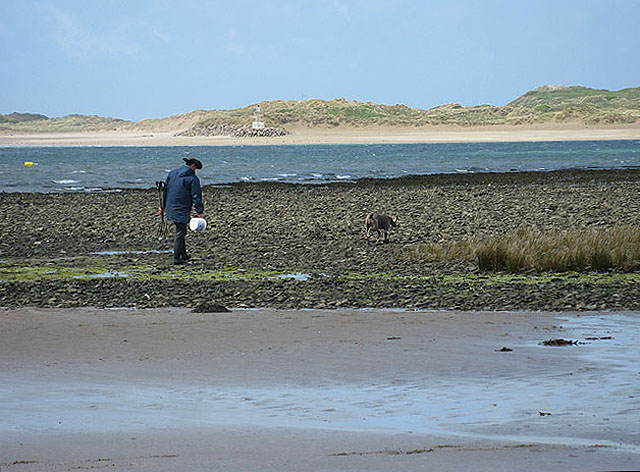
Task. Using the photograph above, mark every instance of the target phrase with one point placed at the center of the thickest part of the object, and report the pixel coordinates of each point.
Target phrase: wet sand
(167, 389)
(340, 135)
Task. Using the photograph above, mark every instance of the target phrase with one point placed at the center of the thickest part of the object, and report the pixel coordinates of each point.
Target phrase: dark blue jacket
(182, 190)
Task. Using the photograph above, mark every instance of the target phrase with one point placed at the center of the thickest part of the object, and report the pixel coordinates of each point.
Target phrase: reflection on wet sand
(427, 374)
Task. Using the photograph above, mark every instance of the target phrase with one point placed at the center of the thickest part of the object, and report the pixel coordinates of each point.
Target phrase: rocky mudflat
(285, 245)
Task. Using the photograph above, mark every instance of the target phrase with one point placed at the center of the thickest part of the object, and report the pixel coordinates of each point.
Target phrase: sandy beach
(330, 236)
(144, 383)
(171, 390)
(340, 135)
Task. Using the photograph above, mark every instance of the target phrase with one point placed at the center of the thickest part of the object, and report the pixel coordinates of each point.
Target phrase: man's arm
(196, 195)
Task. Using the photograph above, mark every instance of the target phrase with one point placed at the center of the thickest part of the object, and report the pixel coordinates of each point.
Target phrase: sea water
(96, 168)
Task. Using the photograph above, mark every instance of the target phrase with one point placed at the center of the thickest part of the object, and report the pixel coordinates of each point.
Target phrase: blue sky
(138, 59)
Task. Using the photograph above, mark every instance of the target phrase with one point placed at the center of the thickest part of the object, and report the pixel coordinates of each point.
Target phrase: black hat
(191, 161)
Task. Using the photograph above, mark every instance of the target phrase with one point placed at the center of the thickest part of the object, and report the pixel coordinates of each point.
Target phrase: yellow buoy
(28, 164)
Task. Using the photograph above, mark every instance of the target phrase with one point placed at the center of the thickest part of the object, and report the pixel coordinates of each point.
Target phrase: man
(182, 191)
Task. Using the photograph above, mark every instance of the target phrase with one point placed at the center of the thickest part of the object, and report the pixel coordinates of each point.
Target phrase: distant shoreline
(340, 135)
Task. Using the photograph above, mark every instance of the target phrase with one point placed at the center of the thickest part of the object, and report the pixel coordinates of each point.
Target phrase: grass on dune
(542, 105)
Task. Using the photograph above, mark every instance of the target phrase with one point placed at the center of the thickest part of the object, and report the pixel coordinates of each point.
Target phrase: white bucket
(197, 224)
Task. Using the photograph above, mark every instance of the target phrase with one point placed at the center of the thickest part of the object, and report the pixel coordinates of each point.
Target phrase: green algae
(504, 278)
(199, 273)
(140, 272)
(33, 273)
(104, 269)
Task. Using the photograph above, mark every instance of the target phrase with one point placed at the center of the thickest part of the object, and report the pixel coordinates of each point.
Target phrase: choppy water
(93, 168)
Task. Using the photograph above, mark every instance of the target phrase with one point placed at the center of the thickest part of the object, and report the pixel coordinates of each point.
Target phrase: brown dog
(376, 222)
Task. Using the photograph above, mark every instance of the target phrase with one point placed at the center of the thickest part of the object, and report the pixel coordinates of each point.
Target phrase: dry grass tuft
(544, 251)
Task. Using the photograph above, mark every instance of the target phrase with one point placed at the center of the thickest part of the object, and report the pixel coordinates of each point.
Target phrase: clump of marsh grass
(446, 251)
(544, 251)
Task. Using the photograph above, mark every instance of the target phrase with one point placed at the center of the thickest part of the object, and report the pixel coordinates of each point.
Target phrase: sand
(310, 390)
(341, 135)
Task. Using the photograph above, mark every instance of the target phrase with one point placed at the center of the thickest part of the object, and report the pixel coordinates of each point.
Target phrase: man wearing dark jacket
(182, 191)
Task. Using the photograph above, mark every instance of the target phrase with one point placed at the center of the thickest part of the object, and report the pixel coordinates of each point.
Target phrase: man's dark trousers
(179, 249)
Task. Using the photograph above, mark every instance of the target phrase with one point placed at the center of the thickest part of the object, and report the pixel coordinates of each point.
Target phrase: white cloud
(79, 40)
(235, 44)
(340, 8)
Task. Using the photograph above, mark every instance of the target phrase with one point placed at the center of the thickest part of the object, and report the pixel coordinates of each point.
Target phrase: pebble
(319, 230)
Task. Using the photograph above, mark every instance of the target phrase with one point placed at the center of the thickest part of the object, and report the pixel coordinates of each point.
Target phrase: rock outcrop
(242, 131)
